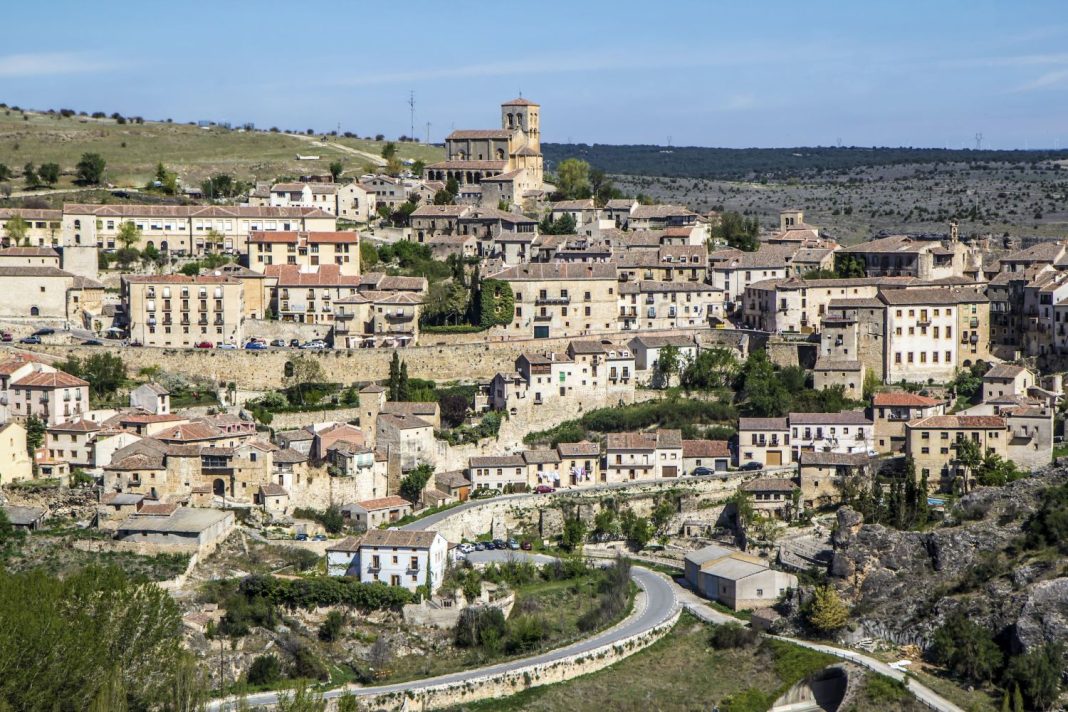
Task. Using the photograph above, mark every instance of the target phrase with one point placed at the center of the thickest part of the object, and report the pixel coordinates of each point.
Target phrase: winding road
(660, 600)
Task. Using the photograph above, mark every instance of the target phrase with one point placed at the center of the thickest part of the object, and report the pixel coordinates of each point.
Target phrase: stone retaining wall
(509, 683)
(259, 370)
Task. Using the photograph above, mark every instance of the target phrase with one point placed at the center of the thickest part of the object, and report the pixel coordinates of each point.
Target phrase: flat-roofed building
(179, 311)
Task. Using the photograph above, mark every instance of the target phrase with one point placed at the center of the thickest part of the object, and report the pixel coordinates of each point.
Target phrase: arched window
(510, 124)
(500, 154)
(35, 311)
(163, 246)
(77, 224)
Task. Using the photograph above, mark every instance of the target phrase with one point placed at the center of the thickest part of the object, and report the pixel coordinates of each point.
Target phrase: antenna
(669, 142)
(979, 141)
(411, 113)
(428, 132)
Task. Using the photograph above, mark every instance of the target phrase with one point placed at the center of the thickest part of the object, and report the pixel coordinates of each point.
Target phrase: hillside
(132, 150)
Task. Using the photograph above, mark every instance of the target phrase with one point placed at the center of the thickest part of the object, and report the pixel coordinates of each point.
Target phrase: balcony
(543, 317)
(399, 316)
(552, 300)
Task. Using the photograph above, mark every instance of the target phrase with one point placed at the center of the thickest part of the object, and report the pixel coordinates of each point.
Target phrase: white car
(314, 345)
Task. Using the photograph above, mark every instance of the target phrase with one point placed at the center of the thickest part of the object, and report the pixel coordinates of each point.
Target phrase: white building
(846, 432)
(399, 558)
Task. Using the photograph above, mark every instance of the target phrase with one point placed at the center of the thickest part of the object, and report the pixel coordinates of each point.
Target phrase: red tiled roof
(902, 400)
(56, 379)
(384, 503)
(705, 448)
(335, 237)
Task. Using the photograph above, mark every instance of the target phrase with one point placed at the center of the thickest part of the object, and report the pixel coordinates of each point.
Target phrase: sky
(766, 73)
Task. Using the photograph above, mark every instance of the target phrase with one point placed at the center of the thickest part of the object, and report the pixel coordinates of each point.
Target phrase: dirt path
(311, 140)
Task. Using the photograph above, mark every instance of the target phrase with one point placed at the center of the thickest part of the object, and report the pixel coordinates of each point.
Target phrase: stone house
(580, 463)
(176, 310)
(712, 454)
(931, 443)
(647, 349)
(738, 581)
(890, 410)
(273, 499)
(1006, 380)
(497, 472)
(543, 467)
(151, 398)
(765, 441)
(847, 374)
(822, 474)
(199, 529)
(643, 456)
(561, 299)
(373, 513)
(306, 250)
(398, 558)
(406, 437)
(772, 496)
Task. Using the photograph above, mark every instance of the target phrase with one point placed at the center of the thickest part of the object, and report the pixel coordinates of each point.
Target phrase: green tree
(35, 433)
(574, 534)
(713, 368)
(668, 362)
(827, 613)
(5, 173)
(389, 151)
(336, 169)
(57, 634)
(404, 392)
(368, 256)
(90, 169)
(1038, 675)
(10, 538)
(966, 649)
(737, 231)
(302, 371)
(848, 265)
(264, 670)
(411, 487)
(129, 235)
(16, 230)
(301, 699)
(166, 181)
(214, 240)
(452, 186)
(393, 384)
(968, 459)
(573, 179)
(331, 627)
(48, 173)
(563, 225)
(446, 303)
(29, 173)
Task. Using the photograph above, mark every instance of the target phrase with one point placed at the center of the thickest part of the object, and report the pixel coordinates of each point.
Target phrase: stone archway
(218, 487)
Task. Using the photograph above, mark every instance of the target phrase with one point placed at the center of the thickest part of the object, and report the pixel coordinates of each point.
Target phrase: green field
(133, 150)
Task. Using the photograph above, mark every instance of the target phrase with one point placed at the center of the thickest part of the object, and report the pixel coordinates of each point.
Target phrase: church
(497, 165)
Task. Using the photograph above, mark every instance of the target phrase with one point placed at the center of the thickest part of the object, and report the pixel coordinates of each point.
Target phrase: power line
(411, 112)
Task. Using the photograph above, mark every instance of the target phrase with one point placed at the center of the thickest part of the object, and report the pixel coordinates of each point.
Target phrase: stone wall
(271, 329)
(259, 370)
(292, 421)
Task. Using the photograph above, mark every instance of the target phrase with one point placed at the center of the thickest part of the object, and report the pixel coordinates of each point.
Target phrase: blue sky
(711, 73)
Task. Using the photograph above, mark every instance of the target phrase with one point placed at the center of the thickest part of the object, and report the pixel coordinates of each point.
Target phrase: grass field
(133, 150)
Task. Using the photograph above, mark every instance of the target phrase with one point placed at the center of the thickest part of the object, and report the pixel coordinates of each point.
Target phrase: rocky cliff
(903, 584)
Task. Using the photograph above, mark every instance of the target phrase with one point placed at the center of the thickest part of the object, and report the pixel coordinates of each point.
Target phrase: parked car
(703, 471)
(751, 466)
(484, 493)
(526, 546)
(44, 332)
(544, 489)
(499, 543)
(255, 346)
(30, 340)
(6, 337)
(203, 345)
(301, 537)
(314, 345)
(319, 537)
(513, 544)
(294, 343)
(134, 344)
(479, 546)
(279, 343)
(92, 342)
(258, 340)
(227, 347)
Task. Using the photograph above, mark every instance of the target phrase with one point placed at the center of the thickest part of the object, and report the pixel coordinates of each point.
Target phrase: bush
(325, 591)
(732, 635)
(331, 628)
(966, 649)
(479, 626)
(306, 664)
(265, 670)
(526, 633)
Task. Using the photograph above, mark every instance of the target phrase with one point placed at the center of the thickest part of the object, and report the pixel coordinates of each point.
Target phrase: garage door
(774, 457)
(671, 471)
(541, 332)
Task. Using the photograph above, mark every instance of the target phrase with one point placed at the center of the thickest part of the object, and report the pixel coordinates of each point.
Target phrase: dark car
(526, 546)
(703, 471)
(751, 466)
(301, 537)
(6, 336)
(500, 544)
(92, 342)
(255, 346)
(44, 332)
(135, 344)
(30, 340)
(294, 343)
(544, 489)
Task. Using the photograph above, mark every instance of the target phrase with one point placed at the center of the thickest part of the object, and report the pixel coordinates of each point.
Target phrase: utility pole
(428, 132)
(411, 113)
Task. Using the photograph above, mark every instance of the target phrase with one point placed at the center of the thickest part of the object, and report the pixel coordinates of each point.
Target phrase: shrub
(332, 625)
(265, 670)
(731, 635)
(966, 648)
(479, 626)
(307, 664)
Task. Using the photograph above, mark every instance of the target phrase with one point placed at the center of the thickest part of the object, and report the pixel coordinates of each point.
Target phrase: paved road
(659, 605)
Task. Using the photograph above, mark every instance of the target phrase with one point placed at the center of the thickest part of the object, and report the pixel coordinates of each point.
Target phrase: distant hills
(770, 163)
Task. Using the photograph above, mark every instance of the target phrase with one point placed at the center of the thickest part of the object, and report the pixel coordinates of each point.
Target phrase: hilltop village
(399, 371)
